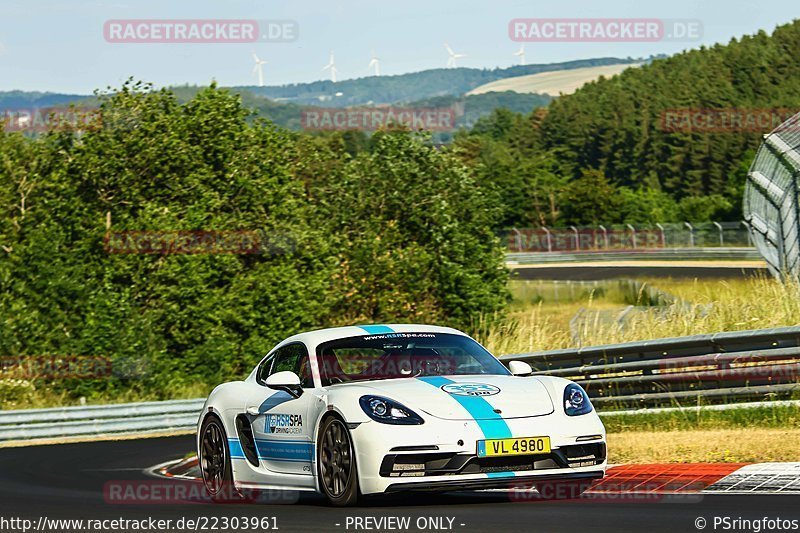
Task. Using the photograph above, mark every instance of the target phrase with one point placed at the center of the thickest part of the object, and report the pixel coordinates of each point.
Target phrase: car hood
(477, 397)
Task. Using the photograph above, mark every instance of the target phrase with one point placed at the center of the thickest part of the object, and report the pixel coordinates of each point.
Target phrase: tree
(590, 200)
(415, 234)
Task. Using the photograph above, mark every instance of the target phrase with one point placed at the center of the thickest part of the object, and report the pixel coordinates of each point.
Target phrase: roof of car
(324, 335)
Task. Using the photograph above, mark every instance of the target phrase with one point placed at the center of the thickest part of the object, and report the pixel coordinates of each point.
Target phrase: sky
(60, 46)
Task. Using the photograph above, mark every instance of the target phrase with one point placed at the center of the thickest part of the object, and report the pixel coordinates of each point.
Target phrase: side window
(294, 358)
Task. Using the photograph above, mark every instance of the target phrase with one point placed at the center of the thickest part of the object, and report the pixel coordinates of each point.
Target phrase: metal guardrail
(724, 367)
(120, 419)
(660, 254)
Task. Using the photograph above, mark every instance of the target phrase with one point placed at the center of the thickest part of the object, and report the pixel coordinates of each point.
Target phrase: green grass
(786, 416)
(41, 396)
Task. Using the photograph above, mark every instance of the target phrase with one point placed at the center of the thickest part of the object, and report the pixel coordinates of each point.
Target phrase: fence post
(577, 237)
(719, 227)
(605, 235)
(549, 239)
(747, 229)
(518, 238)
(633, 232)
(663, 238)
(691, 234)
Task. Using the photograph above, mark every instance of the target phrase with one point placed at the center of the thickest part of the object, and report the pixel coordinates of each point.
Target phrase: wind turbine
(376, 63)
(259, 69)
(331, 66)
(521, 54)
(451, 61)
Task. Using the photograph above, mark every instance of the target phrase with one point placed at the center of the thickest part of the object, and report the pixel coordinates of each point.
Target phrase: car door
(282, 427)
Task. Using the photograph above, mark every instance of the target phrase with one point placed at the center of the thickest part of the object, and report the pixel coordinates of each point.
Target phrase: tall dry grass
(706, 306)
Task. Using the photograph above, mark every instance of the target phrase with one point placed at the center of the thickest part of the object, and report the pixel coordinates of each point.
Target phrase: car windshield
(403, 355)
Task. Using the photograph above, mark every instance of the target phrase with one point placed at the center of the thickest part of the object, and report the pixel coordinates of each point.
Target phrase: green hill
(439, 87)
(616, 148)
(412, 86)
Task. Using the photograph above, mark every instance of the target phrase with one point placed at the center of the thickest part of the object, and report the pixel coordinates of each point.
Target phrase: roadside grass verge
(40, 396)
(755, 445)
(747, 435)
(771, 417)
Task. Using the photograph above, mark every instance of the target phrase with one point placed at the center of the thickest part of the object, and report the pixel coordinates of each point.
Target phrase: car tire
(336, 463)
(562, 490)
(214, 459)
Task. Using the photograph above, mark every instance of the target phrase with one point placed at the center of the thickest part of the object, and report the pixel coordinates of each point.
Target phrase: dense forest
(606, 155)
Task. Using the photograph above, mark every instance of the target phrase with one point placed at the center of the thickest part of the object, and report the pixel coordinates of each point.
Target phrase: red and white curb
(773, 478)
(677, 478)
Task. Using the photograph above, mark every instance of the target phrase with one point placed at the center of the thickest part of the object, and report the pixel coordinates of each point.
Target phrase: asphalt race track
(68, 481)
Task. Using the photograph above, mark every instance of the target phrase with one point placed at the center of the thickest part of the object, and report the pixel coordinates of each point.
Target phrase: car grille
(443, 463)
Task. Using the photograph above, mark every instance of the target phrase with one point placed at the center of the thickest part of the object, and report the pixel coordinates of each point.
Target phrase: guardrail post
(691, 233)
(605, 235)
(633, 232)
(549, 239)
(577, 237)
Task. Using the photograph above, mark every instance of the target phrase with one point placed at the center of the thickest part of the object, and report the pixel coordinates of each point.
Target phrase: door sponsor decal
(283, 424)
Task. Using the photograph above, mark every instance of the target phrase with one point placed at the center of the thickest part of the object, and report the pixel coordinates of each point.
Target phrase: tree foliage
(616, 128)
(400, 233)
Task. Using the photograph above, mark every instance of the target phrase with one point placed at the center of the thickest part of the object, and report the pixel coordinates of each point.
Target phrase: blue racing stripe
(492, 426)
(275, 450)
(500, 474)
(377, 329)
(235, 449)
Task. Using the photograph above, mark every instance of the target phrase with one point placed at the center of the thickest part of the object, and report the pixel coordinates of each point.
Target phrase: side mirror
(286, 381)
(520, 368)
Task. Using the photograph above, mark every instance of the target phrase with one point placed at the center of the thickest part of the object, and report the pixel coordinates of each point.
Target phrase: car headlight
(388, 411)
(576, 401)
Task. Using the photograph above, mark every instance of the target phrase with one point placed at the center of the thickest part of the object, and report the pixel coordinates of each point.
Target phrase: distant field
(552, 83)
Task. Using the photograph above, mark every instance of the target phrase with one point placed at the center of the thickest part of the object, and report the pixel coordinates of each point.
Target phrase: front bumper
(442, 455)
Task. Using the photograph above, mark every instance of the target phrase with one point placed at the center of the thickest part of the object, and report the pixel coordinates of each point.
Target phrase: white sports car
(363, 410)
